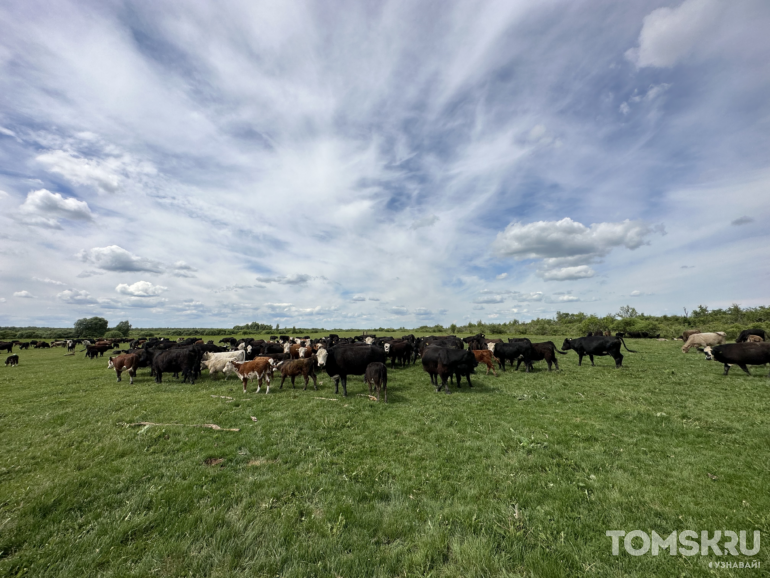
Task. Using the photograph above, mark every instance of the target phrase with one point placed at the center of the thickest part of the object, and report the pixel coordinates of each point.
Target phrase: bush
(114, 334)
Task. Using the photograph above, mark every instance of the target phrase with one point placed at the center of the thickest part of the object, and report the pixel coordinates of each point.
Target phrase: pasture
(520, 476)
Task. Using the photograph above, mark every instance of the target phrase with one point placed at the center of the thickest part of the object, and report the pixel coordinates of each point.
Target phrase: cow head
(709, 353)
(387, 348)
(321, 356)
(567, 344)
(110, 365)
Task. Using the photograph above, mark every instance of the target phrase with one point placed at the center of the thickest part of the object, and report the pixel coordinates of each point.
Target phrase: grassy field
(520, 476)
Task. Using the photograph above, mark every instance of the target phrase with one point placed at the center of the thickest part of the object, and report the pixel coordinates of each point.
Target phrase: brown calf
(303, 367)
(485, 356)
(259, 368)
(127, 362)
(754, 338)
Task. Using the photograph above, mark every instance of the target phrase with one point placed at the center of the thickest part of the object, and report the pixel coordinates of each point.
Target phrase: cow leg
(245, 382)
(336, 384)
(727, 368)
(468, 377)
(445, 384)
(744, 368)
(518, 363)
(283, 378)
(619, 361)
(369, 383)
(292, 381)
(315, 382)
(344, 379)
(131, 374)
(267, 379)
(591, 357)
(580, 359)
(306, 380)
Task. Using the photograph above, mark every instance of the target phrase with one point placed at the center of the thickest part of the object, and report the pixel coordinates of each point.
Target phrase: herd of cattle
(444, 357)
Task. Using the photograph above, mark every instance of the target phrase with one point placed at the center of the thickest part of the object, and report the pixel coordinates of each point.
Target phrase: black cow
(512, 352)
(23, 345)
(740, 354)
(744, 336)
(591, 346)
(400, 351)
(446, 362)
(344, 360)
(544, 351)
(184, 360)
(7, 346)
(13, 361)
(94, 351)
(377, 375)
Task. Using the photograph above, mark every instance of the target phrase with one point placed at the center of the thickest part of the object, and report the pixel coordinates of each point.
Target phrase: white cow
(701, 340)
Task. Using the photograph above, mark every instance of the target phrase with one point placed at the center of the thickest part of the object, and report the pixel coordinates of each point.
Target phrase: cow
(259, 368)
(445, 362)
(399, 350)
(344, 360)
(686, 334)
(42, 345)
(70, 345)
(186, 360)
(746, 333)
(7, 346)
(544, 351)
(24, 345)
(753, 339)
(295, 367)
(484, 356)
(238, 355)
(599, 346)
(12, 360)
(740, 354)
(512, 351)
(128, 362)
(94, 351)
(701, 340)
(218, 364)
(377, 375)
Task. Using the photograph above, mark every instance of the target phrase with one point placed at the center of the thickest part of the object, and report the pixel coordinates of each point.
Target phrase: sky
(394, 163)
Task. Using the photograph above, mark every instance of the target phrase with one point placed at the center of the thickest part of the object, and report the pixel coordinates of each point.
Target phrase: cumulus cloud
(742, 221)
(566, 247)
(182, 269)
(489, 299)
(297, 279)
(24, 294)
(502, 276)
(140, 289)
(116, 258)
(76, 297)
(669, 35)
(43, 208)
(358, 298)
(526, 297)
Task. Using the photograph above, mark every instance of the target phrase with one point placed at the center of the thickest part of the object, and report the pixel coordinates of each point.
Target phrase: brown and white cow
(126, 362)
(258, 368)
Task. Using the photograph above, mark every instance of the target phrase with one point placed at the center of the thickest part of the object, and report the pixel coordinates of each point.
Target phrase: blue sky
(350, 164)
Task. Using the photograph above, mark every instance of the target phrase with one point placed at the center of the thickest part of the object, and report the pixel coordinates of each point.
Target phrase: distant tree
(91, 327)
(627, 312)
(113, 334)
(123, 328)
(453, 328)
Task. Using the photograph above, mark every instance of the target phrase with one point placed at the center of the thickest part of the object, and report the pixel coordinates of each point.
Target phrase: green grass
(520, 476)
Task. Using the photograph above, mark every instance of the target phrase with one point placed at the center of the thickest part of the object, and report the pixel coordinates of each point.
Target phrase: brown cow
(754, 339)
(303, 367)
(259, 368)
(485, 356)
(128, 362)
(686, 334)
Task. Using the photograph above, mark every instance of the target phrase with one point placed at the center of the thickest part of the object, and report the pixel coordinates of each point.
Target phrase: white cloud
(669, 35)
(424, 222)
(24, 295)
(562, 299)
(358, 298)
(423, 312)
(140, 289)
(2, 299)
(635, 293)
(7, 132)
(297, 279)
(490, 299)
(399, 311)
(527, 297)
(502, 276)
(566, 247)
(116, 258)
(49, 281)
(75, 297)
(43, 208)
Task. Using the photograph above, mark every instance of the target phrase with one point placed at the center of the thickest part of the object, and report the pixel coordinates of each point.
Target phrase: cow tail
(626, 346)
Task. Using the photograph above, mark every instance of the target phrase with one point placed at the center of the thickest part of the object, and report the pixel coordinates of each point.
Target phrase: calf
(701, 340)
(599, 346)
(128, 362)
(753, 339)
(259, 368)
(399, 350)
(12, 360)
(740, 354)
(484, 356)
(295, 367)
(377, 375)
